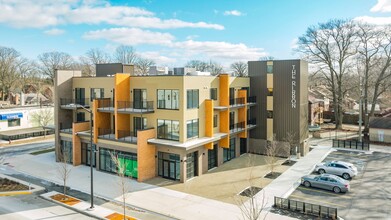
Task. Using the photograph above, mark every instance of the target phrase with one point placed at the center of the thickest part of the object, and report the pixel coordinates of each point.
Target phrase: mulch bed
(288, 163)
(65, 199)
(117, 216)
(7, 185)
(273, 175)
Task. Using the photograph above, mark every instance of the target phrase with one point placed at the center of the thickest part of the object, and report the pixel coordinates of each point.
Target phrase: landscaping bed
(7, 185)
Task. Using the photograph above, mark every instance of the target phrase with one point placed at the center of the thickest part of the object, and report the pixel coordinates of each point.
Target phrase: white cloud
(158, 58)
(44, 13)
(130, 36)
(192, 37)
(294, 43)
(233, 12)
(54, 31)
(374, 20)
(382, 6)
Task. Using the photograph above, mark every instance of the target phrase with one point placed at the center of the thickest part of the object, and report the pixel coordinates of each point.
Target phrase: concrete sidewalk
(161, 200)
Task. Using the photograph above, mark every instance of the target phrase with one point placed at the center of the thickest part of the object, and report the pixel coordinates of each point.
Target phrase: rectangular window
(192, 128)
(128, 160)
(80, 116)
(167, 99)
(168, 129)
(213, 93)
(14, 122)
(269, 68)
(96, 93)
(215, 121)
(192, 98)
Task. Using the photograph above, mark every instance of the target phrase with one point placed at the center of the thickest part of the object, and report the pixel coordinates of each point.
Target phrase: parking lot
(370, 192)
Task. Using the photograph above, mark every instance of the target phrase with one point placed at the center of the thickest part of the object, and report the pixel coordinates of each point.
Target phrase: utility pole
(360, 114)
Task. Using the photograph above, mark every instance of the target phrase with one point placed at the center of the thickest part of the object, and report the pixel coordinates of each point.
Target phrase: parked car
(340, 168)
(326, 181)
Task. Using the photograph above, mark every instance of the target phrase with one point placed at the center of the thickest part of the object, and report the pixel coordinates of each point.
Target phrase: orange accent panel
(122, 93)
(146, 155)
(209, 146)
(76, 146)
(242, 112)
(208, 118)
(101, 120)
(224, 115)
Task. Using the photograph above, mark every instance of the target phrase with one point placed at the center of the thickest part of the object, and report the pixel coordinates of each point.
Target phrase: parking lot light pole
(91, 156)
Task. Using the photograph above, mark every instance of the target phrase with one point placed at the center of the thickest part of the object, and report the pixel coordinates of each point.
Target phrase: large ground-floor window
(229, 153)
(85, 154)
(169, 166)
(66, 150)
(192, 165)
(129, 160)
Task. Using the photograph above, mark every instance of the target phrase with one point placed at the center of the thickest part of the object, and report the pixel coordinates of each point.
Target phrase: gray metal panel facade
(102, 70)
(288, 88)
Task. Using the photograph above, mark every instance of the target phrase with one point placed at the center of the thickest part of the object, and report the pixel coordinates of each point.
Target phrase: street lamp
(360, 114)
(91, 156)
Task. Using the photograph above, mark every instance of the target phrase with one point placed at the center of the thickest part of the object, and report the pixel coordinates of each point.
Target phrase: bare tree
(43, 118)
(251, 208)
(266, 58)
(330, 46)
(375, 62)
(291, 144)
(239, 68)
(97, 56)
(64, 168)
(125, 54)
(9, 75)
(143, 65)
(198, 65)
(50, 61)
(123, 183)
(272, 150)
(215, 68)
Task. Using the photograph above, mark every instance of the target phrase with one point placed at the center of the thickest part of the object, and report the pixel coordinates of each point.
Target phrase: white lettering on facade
(293, 99)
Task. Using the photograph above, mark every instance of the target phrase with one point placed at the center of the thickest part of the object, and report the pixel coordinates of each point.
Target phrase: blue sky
(172, 32)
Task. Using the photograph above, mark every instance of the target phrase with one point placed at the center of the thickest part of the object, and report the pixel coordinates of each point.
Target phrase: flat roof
(21, 131)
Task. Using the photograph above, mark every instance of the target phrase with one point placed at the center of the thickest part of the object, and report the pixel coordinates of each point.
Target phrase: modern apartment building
(173, 126)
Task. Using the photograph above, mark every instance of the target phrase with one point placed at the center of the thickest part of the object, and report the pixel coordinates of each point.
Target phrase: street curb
(34, 188)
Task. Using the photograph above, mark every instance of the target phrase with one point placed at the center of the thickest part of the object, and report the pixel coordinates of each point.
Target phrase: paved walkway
(161, 200)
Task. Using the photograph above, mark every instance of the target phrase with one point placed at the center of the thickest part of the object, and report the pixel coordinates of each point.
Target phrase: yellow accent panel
(209, 146)
(224, 115)
(224, 90)
(242, 112)
(122, 93)
(101, 120)
(269, 103)
(269, 129)
(269, 82)
(208, 118)
(76, 146)
(269, 63)
(146, 160)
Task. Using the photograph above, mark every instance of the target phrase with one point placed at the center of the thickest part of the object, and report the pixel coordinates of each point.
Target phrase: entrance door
(212, 157)
(192, 165)
(139, 124)
(243, 145)
(140, 98)
(80, 96)
(169, 169)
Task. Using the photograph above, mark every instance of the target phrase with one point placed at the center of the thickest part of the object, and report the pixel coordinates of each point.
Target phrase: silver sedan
(326, 181)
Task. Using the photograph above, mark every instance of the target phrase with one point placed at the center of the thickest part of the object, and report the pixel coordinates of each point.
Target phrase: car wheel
(307, 184)
(346, 176)
(337, 189)
(321, 171)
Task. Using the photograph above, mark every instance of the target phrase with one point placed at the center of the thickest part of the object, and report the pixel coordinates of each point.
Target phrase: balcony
(251, 123)
(236, 128)
(252, 100)
(123, 135)
(105, 105)
(236, 102)
(73, 104)
(66, 130)
(127, 107)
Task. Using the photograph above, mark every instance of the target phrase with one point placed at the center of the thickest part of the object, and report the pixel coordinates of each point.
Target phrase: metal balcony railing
(252, 121)
(236, 101)
(105, 104)
(252, 99)
(73, 103)
(106, 133)
(135, 107)
(127, 136)
(236, 127)
(66, 130)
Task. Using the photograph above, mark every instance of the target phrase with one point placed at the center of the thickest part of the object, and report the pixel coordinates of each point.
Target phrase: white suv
(340, 168)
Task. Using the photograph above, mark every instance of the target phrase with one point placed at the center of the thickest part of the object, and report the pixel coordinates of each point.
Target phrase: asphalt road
(15, 150)
(370, 195)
